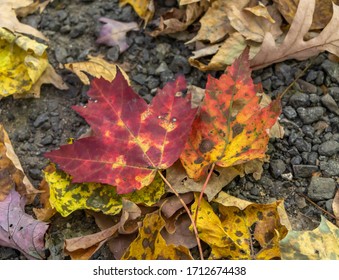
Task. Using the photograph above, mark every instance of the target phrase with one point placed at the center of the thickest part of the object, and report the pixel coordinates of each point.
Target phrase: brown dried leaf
(321, 18)
(335, 206)
(11, 172)
(294, 46)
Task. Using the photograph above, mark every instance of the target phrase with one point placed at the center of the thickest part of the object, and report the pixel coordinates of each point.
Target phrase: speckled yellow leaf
(22, 62)
(150, 245)
(96, 67)
(144, 8)
(67, 197)
(251, 233)
(321, 243)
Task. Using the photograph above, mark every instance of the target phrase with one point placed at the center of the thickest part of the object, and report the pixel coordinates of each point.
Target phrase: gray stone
(328, 148)
(312, 158)
(302, 145)
(304, 171)
(320, 78)
(334, 92)
(299, 99)
(289, 112)
(140, 78)
(35, 173)
(307, 87)
(314, 99)
(328, 101)
(321, 188)
(180, 64)
(162, 68)
(284, 72)
(152, 83)
(330, 168)
(60, 54)
(113, 53)
(47, 140)
(311, 76)
(329, 205)
(296, 160)
(308, 130)
(331, 69)
(277, 167)
(78, 30)
(310, 115)
(40, 119)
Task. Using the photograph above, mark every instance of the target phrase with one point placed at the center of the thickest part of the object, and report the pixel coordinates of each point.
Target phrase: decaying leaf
(8, 17)
(132, 140)
(19, 230)
(321, 18)
(231, 127)
(113, 33)
(177, 20)
(96, 67)
(144, 8)
(251, 233)
(82, 248)
(150, 245)
(11, 173)
(67, 197)
(178, 178)
(294, 46)
(320, 244)
(22, 62)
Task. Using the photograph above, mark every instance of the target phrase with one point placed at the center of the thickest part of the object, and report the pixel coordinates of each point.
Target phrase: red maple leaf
(132, 140)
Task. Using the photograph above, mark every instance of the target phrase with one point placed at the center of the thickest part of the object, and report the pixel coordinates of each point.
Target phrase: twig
(317, 206)
(203, 191)
(296, 79)
(188, 213)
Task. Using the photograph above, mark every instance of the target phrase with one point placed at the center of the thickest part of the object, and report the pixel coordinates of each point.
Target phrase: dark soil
(311, 121)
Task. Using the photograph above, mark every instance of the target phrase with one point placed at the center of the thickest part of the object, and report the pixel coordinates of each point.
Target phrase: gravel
(329, 148)
(321, 188)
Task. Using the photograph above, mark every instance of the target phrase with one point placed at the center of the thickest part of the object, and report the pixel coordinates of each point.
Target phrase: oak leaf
(252, 231)
(19, 230)
(113, 33)
(321, 18)
(132, 140)
(231, 127)
(294, 46)
(321, 243)
(150, 245)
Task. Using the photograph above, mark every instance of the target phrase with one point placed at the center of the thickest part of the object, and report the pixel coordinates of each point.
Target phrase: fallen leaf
(19, 230)
(96, 67)
(335, 206)
(46, 211)
(67, 197)
(132, 140)
(231, 127)
(24, 11)
(251, 233)
(294, 46)
(172, 204)
(150, 245)
(321, 243)
(144, 8)
(82, 248)
(8, 18)
(261, 11)
(181, 235)
(177, 20)
(179, 180)
(22, 63)
(49, 76)
(321, 18)
(113, 33)
(11, 172)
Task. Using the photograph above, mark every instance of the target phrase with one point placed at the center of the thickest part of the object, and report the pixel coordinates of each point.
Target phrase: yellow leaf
(150, 245)
(252, 231)
(96, 67)
(22, 62)
(144, 8)
(320, 244)
(67, 197)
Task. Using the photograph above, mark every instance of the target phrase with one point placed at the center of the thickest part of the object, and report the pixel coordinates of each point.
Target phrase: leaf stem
(203, 191)
(188, 213)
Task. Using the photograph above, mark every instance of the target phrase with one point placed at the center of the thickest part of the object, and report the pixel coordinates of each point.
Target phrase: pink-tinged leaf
(114, 32)
(19, 230)
(132, 140)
